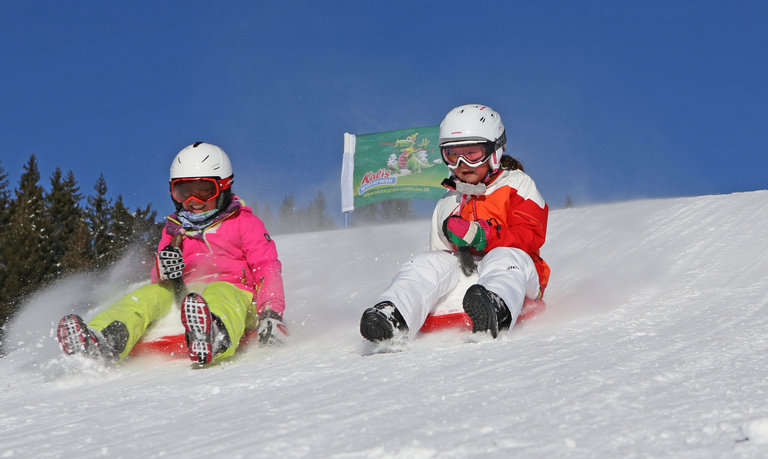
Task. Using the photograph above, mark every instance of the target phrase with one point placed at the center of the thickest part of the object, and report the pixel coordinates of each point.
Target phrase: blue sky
(603, 100)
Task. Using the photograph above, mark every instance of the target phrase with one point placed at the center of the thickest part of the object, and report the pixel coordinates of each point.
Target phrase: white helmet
(204, 160)
(201, 160)
(473, 123)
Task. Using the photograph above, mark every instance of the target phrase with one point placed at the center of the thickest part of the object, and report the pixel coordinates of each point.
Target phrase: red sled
(461, 321)
(174, 346)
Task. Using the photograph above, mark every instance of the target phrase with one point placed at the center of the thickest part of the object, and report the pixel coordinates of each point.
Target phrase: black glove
(272, 330)
(170, 264)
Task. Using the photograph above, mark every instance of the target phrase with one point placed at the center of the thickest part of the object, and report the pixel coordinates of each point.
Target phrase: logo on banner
(371, 179)
(406, 157)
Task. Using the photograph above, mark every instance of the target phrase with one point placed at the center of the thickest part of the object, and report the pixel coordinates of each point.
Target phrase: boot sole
(479, 307)
(72, 335)
(197, 320)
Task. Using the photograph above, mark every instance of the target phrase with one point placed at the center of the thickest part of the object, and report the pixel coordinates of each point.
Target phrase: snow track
(653, 344)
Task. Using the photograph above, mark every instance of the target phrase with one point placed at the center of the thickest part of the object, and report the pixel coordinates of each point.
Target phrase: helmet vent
(482, 120)
(196, 144)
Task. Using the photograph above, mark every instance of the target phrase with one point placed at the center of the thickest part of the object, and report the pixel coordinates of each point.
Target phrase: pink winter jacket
(235, 248)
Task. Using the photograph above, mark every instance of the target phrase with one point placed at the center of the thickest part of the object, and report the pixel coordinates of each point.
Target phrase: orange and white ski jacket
(512, 205)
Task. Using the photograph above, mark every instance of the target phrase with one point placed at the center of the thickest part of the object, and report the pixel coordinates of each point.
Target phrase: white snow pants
(417, 287)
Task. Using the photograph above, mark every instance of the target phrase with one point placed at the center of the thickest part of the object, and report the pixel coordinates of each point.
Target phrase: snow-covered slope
(653, 344)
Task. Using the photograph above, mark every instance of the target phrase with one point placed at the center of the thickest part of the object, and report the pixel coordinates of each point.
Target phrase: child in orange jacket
(493, 215)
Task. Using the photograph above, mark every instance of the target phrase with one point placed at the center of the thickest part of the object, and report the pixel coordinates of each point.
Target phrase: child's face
(199, 207)
(472, 175)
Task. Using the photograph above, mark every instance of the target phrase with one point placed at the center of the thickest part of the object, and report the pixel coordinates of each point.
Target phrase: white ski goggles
(473, 154)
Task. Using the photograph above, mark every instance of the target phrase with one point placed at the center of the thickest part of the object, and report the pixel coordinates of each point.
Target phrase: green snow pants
(138, 309)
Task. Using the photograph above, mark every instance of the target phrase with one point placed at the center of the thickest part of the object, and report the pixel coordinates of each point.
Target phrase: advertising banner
(401, 164)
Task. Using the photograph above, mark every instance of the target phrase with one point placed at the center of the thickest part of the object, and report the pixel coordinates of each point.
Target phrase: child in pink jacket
(215, 253)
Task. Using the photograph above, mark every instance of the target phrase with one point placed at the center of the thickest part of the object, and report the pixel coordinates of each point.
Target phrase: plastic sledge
(461, 321)
(173, 346)
(448, 313)
(165, 338)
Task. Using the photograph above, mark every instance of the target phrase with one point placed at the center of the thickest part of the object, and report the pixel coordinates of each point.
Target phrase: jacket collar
(452, 183)
(174, 226)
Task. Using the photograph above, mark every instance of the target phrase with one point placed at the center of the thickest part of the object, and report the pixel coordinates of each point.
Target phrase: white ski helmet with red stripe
(474, 123)
(204, 160)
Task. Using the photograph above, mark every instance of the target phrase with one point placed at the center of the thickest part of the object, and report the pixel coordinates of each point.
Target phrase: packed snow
(654, 344)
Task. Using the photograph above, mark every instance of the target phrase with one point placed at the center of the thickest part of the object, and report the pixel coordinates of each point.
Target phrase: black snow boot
(487, 310)
(381, 322)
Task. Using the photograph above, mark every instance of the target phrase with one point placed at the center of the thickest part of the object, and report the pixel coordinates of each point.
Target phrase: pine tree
(288, 220)
(129, 229)
(146, 231)
(78, 254)
(121, 226)
(268, 219)
(66, 217)
(98, 214)
(366, 215)
(77, 257)
(5, 200)
(396, 210)
(317, 218)
(25, 241)
(254, 207)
